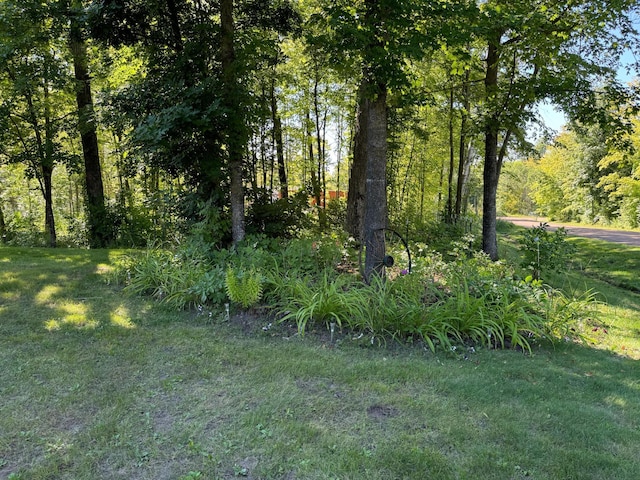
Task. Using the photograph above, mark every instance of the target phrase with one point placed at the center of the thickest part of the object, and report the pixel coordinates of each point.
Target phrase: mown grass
(610, 271)
(95, 384)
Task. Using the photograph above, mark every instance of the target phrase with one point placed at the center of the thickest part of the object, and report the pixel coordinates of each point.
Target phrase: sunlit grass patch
(103, 269)
(120, 317)
(72, 314)
(47, 294)
(609, 271)
(52, 325)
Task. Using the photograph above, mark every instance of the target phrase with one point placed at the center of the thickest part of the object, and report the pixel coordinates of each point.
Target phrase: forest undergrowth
(448, 299)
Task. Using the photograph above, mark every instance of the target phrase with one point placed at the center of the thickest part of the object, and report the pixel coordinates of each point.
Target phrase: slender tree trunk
(175, 25)
(463, 145)
(450, 218)
(375, 216)
(48, 164)
(263, 152)
(315, 180)
(277, 137)
(491, 172)
(320, 205)
(44, 168)
(324, 161)
(235, 128)
(357, 175)
(49, 219)
(423, 181)
(96, 213)
(3, 227)
(441, 185)
(338, 154)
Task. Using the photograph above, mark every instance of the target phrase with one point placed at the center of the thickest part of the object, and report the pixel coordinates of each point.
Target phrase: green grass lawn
(98, 385)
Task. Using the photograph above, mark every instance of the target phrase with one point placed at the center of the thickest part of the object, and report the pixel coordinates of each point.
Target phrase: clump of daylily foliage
(459, 298)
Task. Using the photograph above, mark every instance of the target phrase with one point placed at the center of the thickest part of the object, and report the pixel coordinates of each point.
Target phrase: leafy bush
(284, 217)
(336, 212)
(440, 235)
(469, 301)
(545, 250)
(21, 230)
(307, 256)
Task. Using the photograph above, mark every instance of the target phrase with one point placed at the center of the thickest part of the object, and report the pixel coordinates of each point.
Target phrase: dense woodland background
(130, 122)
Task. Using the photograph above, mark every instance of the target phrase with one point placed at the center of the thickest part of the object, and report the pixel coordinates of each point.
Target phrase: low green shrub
(284, 217)
(310, 256)
(545, 250)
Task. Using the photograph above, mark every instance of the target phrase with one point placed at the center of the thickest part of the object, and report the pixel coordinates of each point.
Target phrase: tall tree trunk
(338, 154)
(375, 216)
(44, 164)
(48, 164)
(175, 26)
(441, 185)
(450, 218)
(43, 169)
(3, 227)
(357, 175)
(324, 161)
(463, 157)
(315, 180)
(96, 213)
(277, 137)
(235, 127)
(491, 172)
(49, 219)
(320, 205)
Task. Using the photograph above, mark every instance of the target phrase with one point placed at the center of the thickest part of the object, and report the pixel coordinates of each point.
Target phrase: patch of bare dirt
(382, 412)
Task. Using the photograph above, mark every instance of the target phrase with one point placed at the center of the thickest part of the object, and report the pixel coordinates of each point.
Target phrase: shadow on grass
(49, 289)
(613, 263)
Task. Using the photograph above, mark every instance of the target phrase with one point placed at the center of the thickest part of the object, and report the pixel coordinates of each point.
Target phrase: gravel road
(609, 235)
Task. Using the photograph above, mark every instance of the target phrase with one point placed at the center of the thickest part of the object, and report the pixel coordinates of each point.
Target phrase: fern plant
(243, 286)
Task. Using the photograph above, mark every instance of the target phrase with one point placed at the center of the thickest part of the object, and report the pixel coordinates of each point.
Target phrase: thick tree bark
(375, 216)
(357, 175)
(235, 128)
(491, 172)
(96, 213)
